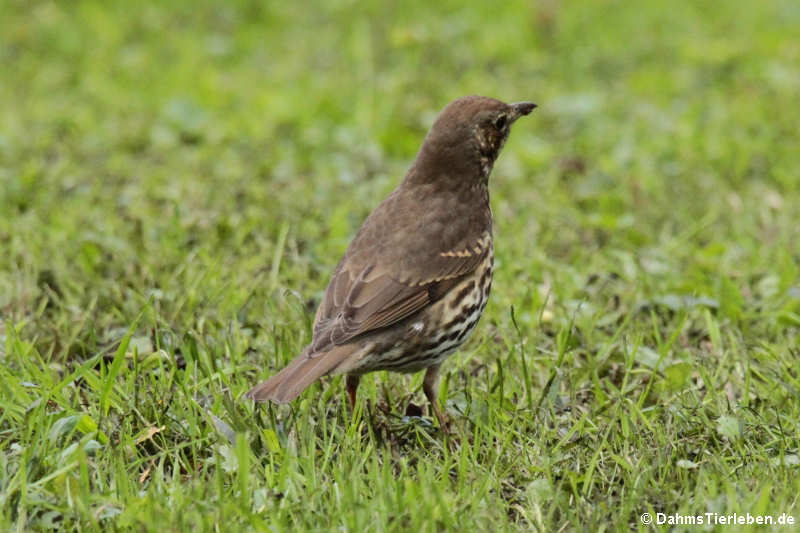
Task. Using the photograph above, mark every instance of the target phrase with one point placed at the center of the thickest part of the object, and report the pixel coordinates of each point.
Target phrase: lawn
(178, 180)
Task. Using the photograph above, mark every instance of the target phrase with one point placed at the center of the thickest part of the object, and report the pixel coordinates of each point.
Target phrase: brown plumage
(415, 279)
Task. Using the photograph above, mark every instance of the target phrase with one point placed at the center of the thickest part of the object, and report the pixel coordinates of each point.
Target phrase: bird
(416, 277)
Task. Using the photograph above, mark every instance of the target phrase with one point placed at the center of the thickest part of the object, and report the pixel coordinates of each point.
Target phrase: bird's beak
(522, 108)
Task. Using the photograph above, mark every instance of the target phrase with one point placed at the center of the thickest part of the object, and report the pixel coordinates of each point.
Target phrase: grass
(178, 182)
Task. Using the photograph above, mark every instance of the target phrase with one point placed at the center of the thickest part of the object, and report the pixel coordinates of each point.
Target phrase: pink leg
(430, 386)
(351, 382)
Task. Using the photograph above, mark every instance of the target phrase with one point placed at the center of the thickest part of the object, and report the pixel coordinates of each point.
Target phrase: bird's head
(471, 131)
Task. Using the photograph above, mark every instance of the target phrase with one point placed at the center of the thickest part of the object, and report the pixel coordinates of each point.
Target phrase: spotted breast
(439, 330)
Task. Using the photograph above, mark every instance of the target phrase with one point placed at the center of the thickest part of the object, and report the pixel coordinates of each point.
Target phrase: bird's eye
(500, 122)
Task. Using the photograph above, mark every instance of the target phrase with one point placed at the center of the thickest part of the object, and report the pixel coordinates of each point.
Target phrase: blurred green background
(205, 164)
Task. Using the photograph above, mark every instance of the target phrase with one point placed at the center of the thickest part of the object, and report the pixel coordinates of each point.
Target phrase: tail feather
(304, 370)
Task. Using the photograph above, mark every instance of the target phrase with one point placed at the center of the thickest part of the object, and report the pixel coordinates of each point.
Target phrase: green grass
(176, 184)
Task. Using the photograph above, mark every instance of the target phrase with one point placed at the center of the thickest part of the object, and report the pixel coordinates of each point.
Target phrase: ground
(178, 181)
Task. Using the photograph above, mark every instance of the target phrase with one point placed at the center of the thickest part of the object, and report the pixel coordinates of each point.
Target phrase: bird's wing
(366, 297)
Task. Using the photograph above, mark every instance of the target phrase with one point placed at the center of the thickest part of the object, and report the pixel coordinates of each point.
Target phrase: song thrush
(415, 279)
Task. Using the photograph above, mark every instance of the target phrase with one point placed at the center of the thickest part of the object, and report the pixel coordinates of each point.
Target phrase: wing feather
(370, 299)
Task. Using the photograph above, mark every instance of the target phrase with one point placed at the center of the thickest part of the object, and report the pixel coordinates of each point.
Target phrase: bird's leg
(351, 382)
(430, 385)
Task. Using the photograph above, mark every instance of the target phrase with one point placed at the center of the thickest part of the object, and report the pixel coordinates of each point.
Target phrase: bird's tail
(304, 370)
